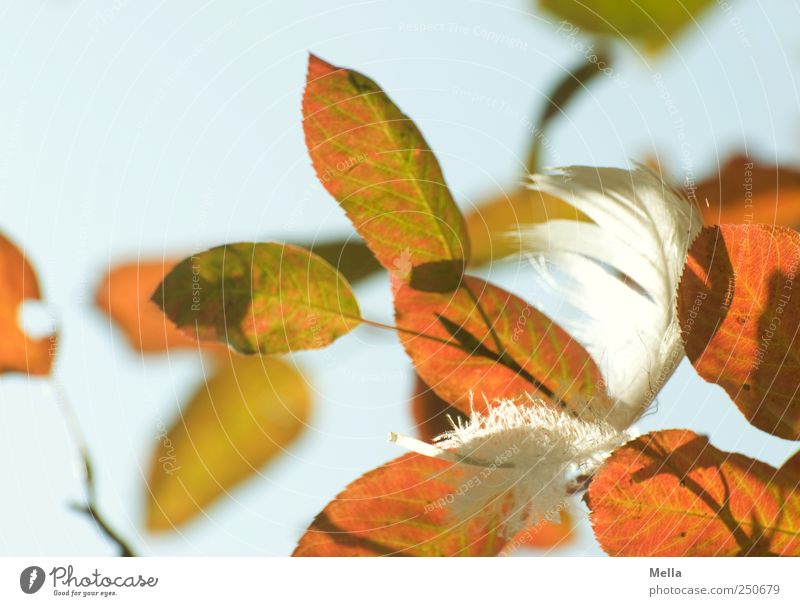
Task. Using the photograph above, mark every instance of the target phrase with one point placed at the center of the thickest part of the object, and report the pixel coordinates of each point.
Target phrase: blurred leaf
(739, 309)
(521, 353)
(375, 162)
(544, 535)
(352, 258)
(397, 509)
(125, 291)
(747, 191)
(432, 414)
(260, 298)
(493, 224)
(18, 283)
(652, 23)
(124, 295)
(247, 413)
(670, 493)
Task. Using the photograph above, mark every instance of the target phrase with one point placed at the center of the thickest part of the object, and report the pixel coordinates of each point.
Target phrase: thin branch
(125, 550)
(90, 508)
(574, 82)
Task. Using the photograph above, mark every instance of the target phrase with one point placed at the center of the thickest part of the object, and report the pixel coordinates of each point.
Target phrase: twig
(575, 81)
(90, 508)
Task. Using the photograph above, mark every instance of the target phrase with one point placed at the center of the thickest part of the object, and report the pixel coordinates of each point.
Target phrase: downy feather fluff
(532, 453)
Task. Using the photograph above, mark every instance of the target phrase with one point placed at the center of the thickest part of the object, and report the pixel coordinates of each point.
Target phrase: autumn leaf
(351, 257)
(492, 224)
(432, 415)
(484, 340)
(124, 295)
(544, 535)
(19, 352)
(249, 412)
(670, 493)
(259, 298)
(373, 159)
(748, 191)
(739, 309)
(401, 509)
(651, 23)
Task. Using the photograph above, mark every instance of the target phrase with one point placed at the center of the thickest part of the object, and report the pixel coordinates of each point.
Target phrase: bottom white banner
(389, 582)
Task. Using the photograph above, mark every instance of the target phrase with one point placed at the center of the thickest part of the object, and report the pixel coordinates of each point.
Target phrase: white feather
(641, 232)
(618, 277)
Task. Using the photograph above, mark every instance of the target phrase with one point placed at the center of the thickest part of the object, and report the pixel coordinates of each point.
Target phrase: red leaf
(671, 493)
(739, 308)
(397, 509)
(372, 158)
(454, 351)
(18, 283)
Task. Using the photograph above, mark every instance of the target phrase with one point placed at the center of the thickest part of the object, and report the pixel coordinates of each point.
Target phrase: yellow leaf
(651, 23)
(491, 224)
(244, 416)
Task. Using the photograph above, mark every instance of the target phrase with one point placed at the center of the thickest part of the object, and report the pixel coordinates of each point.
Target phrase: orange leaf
(455, 352)
(746, 191)
(544, 535)
(372, 158)
(124, 295)
(432, 414)
(739, 309)
(670, 493)
(400, 509)
(245, 415)
(18, 283)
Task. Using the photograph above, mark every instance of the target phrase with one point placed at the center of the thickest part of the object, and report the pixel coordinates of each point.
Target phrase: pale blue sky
(153, 127)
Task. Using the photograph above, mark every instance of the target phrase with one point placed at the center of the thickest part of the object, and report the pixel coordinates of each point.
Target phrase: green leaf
(259, 298)
(373, 159)
(351, 257)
